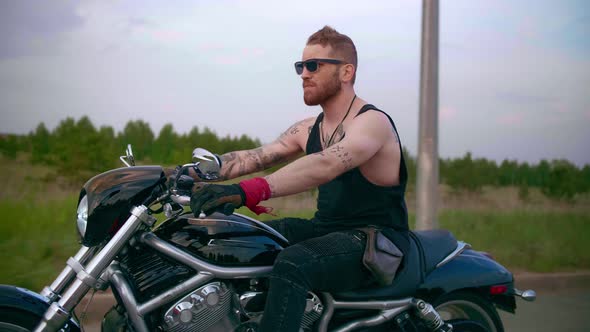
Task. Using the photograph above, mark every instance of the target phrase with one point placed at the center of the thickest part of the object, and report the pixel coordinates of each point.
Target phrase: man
(352, 153)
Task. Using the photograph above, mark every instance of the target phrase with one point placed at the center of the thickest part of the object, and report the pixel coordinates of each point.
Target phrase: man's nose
(305, 74)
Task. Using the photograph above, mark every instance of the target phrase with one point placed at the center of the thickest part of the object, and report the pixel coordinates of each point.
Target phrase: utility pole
(427, 164)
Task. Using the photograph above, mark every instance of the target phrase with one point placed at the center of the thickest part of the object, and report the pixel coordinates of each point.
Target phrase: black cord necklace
(339, 127)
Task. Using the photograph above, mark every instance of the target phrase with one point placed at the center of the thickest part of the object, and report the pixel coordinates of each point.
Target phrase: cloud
(448, 113)
(168, 36)
(511, 119)
(27, 27)
(515, 97)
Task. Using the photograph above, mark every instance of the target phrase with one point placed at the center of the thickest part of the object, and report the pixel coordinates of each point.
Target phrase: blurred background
(81, 80)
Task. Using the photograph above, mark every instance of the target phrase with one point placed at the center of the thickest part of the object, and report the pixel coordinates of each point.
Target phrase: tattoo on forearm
(244, 162)
(256, 156)
(228, 159)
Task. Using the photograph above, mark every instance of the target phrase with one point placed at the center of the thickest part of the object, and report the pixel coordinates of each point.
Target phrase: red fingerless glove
(256, 191)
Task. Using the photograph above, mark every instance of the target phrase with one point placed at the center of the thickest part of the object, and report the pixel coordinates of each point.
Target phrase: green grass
(37, 237)
(529, 240)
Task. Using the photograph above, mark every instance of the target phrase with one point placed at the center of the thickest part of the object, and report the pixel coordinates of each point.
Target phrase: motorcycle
(209, 273)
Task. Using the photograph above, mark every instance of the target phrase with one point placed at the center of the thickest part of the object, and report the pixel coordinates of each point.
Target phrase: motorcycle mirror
(128, 159)
(207, 164)
(202, 154)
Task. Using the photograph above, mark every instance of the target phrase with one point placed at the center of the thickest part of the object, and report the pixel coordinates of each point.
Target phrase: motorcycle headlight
(82, 215)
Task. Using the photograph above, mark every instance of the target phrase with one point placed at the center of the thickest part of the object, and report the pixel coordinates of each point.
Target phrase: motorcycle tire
(463, 325)
(469, 306)
(14, 320)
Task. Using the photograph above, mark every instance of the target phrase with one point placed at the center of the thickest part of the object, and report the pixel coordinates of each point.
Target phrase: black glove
(210, 198)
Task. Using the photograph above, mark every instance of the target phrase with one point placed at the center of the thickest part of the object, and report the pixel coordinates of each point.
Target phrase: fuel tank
(234, 240)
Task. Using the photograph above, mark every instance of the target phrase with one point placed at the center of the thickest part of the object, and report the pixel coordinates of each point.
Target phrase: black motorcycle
(209, 273)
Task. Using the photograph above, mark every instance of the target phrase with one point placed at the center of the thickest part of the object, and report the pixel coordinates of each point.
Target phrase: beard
(324, 92)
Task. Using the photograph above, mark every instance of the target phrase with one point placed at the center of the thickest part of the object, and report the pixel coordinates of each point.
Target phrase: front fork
(86, 277)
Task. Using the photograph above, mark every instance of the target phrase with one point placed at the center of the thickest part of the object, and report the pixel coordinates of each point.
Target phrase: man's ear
(347, 72)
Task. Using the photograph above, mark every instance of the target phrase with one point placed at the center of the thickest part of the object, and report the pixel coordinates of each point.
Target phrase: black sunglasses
(313, 64)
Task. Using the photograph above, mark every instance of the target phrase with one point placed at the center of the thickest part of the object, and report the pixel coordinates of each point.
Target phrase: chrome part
(313, 311)
(389, 309)
(264, 226)
(427, 313)
(328, 312)
(153, 241)
(79, 287)
(174, 292)
(181, 199)
(378, 319)
(119, 282)
(169, 211)
(82, 216)
(202, 154)
(67, 274)
(54, 318)
(461, 246)
(527, 295)
(146, 218)
(128, 158)
(201, 309)
(82, 274)
(50, 294)
(206, 164)
(252, 303)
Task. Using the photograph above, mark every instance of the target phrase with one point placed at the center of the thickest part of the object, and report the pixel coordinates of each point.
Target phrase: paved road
(563, 311)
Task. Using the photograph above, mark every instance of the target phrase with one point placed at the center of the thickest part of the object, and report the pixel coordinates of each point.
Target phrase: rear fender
(470, 270)
(24, 299)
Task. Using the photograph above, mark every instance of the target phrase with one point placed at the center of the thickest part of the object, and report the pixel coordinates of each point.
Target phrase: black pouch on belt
(382, 257)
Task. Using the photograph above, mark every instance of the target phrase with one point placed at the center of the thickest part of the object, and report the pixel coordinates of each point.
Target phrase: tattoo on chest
(336, 136)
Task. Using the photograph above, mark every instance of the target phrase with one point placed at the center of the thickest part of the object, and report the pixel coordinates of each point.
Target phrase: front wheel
(14, 320)
(467, 306)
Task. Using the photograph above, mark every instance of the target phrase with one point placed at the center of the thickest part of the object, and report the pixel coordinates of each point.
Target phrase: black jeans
(315, 260)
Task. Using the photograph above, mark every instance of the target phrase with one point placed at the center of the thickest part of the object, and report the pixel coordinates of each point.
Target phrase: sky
(514, 79)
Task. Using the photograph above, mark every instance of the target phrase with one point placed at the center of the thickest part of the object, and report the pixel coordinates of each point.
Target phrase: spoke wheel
(471, 307)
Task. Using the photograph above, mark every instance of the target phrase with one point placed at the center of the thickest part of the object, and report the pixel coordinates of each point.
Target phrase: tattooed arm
(365, 137)
(288, 146)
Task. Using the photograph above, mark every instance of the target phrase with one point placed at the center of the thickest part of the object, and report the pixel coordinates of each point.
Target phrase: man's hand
(183, 181)
(209, 198)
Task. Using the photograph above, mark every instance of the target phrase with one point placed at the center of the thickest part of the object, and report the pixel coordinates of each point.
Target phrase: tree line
(75, 147)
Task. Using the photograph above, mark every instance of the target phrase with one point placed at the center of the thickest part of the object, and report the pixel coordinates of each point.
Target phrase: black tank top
(350, 200)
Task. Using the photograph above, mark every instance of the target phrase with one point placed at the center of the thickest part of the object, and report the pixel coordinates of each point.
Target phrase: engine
(209, 308)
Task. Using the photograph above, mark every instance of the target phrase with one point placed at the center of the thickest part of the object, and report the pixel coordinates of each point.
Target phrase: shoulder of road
(552, 282)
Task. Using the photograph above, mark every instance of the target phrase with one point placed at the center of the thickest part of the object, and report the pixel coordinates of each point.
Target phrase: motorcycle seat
(405, 283)
(435, 246)
(427, 249)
